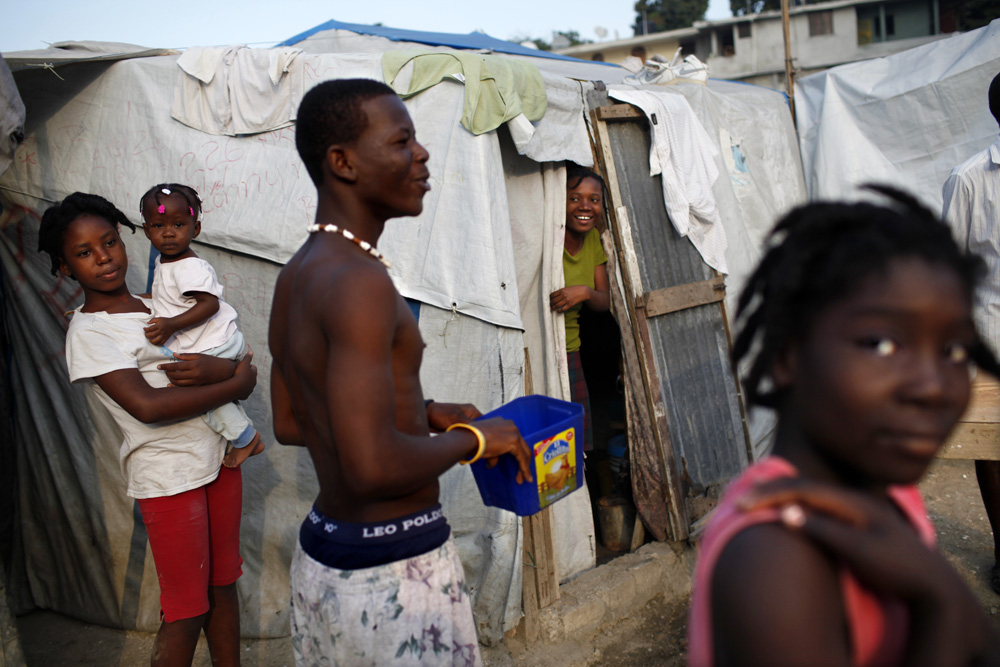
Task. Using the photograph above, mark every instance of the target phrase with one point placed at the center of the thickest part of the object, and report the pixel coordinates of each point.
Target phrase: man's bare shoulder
(311, 269)
(331, 286)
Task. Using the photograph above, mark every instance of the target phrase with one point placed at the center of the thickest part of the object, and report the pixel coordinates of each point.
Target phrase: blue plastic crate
(553, 430)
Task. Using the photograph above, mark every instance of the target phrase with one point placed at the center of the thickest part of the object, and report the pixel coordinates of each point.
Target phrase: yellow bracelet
(479, 437)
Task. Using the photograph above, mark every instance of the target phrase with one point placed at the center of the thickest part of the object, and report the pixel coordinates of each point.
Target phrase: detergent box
(553, 430)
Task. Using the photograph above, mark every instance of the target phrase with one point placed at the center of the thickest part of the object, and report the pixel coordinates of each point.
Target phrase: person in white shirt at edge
(972, 208)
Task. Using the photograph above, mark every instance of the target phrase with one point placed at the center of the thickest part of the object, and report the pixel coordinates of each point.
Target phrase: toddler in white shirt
(189, 313)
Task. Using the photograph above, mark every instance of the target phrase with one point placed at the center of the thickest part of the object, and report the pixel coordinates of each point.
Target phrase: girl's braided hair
(57, 219)
(152, 198)
(820, 253)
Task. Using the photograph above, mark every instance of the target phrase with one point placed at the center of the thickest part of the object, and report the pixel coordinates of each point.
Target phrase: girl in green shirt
(586, 275)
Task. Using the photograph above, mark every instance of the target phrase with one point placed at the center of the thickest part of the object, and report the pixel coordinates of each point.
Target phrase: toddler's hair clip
(161, 209)
(165, 191)
(191, 211)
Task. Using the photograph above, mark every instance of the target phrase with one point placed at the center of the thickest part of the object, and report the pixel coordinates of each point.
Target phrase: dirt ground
(655, 636)
(964, 535)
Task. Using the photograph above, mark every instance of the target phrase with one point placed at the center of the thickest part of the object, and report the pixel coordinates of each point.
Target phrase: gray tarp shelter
(479, 263)
(905, 119)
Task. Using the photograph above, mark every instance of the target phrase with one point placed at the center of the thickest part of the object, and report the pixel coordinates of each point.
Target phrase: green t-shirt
(579, 270)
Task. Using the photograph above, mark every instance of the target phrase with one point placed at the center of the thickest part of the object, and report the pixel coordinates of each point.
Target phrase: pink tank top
(878, 626)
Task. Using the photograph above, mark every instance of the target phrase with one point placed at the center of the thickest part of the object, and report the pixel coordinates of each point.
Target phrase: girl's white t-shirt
(171, 282)
(156, 459)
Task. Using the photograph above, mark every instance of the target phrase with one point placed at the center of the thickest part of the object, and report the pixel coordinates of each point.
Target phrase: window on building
(727, 42)
(820, 23)
(866, 31)
(890, 25)
(743, 29)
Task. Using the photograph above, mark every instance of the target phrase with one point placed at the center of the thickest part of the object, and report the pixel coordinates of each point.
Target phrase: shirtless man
(375, 577)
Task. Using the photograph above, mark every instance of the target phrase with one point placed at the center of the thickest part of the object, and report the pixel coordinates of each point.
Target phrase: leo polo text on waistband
(409, 525)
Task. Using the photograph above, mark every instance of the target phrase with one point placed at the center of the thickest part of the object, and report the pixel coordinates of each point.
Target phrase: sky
(32, 24)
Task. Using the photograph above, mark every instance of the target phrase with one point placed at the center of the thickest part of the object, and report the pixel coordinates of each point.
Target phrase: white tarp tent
(481, 260)
(905, 119)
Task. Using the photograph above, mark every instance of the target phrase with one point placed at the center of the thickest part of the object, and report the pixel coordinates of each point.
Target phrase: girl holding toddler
(171, 460)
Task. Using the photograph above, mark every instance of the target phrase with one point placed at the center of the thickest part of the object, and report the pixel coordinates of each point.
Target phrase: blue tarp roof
(473, 40)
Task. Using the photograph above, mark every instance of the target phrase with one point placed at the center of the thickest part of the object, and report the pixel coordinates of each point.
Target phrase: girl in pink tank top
(857, 329)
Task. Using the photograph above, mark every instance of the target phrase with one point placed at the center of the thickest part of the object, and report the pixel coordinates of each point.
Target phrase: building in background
(750, 48)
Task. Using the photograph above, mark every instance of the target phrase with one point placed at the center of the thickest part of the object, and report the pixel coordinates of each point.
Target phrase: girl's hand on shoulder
(869, 533)
(563, 299)
(442, 415)
(886, 554)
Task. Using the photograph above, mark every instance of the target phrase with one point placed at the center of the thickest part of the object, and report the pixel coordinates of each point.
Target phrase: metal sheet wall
(689, 347)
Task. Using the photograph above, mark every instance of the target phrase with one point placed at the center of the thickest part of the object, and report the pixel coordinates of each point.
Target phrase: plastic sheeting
(473, 40)
(534, 189)
(683, 155)
(62, 53)
(350, 40)
(11, 117)
(905, 119)
(761, 180)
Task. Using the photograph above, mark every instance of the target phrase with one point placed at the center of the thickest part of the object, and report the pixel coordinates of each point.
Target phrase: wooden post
(539, 571)
(789, 70)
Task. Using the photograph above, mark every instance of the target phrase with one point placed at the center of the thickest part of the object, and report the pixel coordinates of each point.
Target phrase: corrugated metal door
(686, 430)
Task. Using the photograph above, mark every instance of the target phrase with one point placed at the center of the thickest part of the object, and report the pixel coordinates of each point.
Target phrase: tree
(571, 36)
(540, 44)
(969, 14)
(659, 15)
(744, 7)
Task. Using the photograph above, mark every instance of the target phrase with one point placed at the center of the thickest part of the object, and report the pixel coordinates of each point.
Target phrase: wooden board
(529, 624)
(619, 112)
(539, 572)
(971, 440)
(984, 403)
(977, 435)
(539, 576)
(542, 558)
(672, 299)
